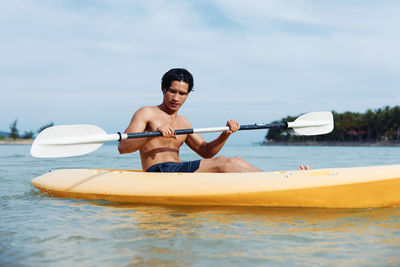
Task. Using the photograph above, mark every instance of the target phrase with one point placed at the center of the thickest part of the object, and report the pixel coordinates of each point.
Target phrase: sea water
(38, 230)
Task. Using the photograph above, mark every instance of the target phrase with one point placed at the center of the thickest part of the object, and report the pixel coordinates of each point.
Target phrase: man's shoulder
(147, 110)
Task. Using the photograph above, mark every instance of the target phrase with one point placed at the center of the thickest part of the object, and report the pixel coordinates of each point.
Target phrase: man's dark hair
(177, 74)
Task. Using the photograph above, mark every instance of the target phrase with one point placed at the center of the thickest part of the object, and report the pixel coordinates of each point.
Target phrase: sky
(254, 61)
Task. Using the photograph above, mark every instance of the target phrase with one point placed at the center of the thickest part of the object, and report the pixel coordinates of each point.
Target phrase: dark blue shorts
(187, 166)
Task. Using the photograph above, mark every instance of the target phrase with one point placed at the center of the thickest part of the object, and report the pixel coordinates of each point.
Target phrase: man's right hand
(166, 131)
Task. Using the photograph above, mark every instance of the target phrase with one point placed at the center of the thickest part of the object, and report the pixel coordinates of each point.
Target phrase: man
(161, 154)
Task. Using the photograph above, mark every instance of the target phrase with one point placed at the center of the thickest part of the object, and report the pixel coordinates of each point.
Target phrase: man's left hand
(233, 126)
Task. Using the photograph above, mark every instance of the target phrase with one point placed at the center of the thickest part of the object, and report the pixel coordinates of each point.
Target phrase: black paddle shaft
(190, 131)
(263, 126)
(157, 133)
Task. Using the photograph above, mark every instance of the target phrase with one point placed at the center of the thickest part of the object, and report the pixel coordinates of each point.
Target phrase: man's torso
(159, 149)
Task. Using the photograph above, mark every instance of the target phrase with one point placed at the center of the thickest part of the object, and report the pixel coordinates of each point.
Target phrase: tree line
(379, 125)
(14, 132)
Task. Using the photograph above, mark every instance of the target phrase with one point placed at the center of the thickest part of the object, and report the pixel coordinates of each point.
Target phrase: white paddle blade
(313, 123)
(69, 140)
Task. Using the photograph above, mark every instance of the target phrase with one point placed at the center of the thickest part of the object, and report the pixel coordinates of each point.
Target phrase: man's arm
(210, 149)
(138, 124)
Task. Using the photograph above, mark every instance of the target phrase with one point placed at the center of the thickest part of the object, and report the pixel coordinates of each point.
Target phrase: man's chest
(175, 124)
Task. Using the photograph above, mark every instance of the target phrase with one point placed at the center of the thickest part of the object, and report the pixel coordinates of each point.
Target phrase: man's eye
(173, 91)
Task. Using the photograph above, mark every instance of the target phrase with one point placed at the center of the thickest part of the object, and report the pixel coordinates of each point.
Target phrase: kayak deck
(357, 187)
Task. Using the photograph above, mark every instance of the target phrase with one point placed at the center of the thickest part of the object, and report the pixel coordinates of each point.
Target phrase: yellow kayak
(356, 187)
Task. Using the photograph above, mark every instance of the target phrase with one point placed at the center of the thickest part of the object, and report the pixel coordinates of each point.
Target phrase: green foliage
(14, 133)
(28, 135)
(45, 126)
(380, 125)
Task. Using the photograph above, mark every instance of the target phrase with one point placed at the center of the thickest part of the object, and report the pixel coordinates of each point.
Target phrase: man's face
(176, 95)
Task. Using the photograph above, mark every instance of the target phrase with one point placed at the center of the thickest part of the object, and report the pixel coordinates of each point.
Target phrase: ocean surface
(38, 230)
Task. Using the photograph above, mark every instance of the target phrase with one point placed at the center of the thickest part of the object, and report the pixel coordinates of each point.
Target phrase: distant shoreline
(16, 142)
(328, 143)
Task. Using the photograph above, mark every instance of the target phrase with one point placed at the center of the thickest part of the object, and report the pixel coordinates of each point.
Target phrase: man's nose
(176, 96)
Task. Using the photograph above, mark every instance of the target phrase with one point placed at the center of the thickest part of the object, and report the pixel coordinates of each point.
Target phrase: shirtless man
(161, 154)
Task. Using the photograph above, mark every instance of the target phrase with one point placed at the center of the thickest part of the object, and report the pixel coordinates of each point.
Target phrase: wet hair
(177, 74)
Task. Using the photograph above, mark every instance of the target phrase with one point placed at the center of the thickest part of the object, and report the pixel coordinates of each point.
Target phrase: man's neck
(169, 112)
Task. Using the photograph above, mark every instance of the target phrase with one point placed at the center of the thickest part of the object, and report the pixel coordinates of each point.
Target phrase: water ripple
(37, 230)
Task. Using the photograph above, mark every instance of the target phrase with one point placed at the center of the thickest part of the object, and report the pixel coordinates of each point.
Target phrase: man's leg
(224, 164)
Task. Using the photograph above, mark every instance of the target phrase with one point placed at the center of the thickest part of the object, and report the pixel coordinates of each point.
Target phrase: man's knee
(227, 164)
(232, 162)
(221, 160)
(221, 163)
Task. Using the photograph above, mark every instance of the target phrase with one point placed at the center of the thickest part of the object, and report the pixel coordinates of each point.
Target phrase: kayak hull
(358, 187)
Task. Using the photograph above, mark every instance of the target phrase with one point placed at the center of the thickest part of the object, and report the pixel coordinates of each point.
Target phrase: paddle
(75, 140)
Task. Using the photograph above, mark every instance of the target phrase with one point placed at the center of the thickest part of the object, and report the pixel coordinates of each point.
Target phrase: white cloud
(253, 57)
